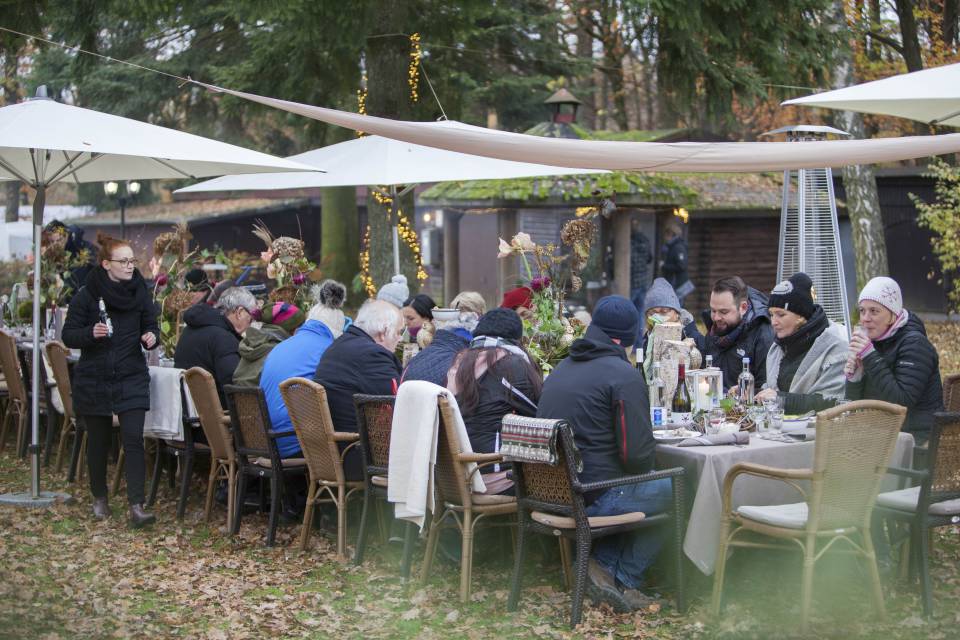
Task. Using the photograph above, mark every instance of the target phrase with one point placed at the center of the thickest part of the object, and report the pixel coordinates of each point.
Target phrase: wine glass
(715, 418)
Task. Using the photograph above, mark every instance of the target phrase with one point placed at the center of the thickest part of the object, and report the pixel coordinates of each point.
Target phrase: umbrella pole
(395, 222)
(38, 205)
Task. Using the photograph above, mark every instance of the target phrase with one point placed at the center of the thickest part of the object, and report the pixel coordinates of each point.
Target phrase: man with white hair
(361, 361)
(211, 339)
(454, 330)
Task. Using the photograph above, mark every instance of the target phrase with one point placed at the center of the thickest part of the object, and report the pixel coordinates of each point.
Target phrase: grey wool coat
(820, 371)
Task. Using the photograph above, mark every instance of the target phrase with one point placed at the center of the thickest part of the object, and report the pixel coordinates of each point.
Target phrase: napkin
(741, 437)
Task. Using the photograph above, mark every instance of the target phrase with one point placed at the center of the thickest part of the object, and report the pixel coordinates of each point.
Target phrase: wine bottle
(657, 408)
(680, 407)
(745, 383)
(105, 319)
(639, 363)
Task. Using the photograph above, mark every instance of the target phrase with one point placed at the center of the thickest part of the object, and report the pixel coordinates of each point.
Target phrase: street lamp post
(131, 189)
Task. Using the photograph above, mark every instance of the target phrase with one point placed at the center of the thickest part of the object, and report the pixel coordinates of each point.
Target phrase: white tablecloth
(706, 468)
(165, 418)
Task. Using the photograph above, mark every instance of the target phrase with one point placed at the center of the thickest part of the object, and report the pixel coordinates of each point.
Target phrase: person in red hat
(520, 300)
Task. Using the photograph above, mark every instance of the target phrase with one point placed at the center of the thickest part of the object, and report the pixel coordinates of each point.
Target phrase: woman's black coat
(111, 376)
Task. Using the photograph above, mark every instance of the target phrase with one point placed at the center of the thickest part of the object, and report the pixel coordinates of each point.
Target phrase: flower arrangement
(56, 262)
(287, 264)
(170, 262)
(549, 274)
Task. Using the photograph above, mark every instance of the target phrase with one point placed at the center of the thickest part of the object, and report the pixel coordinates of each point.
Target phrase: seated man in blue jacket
(605, 401)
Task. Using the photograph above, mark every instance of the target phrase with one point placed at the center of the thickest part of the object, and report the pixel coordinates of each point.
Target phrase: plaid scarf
(490, 342)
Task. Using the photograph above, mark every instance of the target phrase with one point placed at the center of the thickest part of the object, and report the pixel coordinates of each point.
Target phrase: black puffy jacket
(605, 401)
(111, 376)
(210, 342)
(753, 342)
(904, 369)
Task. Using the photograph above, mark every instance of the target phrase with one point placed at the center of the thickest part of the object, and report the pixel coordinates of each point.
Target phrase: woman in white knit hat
(891, 358)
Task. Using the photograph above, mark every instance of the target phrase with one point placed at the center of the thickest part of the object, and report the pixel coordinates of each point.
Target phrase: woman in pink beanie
(891, 358)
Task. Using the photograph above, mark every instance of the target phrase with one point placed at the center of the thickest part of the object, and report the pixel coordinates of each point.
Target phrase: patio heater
(809, 234)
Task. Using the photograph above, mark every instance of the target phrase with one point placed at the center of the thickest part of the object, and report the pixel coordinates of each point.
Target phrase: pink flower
(155, 265)
(504, 249)
(30, 258)
(162, 280)
(541, 283)
(523, 242)
(266, 256)
(299, 279)
(271, 271)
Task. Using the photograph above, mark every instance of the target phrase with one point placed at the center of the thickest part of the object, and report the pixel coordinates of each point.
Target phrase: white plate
(671, 436)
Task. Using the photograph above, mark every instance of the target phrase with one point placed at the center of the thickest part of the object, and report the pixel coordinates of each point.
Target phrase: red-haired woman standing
(111, 377)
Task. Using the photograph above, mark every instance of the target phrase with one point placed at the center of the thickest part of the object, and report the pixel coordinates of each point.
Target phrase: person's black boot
(140, 518)
(101, 509)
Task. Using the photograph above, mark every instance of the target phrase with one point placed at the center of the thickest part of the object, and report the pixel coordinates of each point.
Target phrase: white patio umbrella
(375, 160)
(43, 142)
(931, 96)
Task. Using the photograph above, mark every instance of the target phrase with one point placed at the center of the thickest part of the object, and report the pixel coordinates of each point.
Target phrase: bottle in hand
(657, 387)
(105, 319)
(745, 383)
(680, 407)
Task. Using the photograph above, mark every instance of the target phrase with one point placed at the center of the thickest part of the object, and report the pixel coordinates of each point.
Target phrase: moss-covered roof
(632, 188)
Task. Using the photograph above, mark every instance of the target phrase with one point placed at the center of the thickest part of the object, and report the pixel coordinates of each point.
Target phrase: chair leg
(431, 548)
(308, 516)
(806, 585)
(118, 473)
(565, 560)
(65, 430)
(579, 579)
(155, 481)
(7, 419)
(22, 428)
(51, 433)
(923, 541)
(721, 567)
(274, 509)
(215, 466)
(466, 555)
(241, 497)
(362, 534)
(341, 522)
(408, 534)
(514, 596)
(185, 484)
(231, 492)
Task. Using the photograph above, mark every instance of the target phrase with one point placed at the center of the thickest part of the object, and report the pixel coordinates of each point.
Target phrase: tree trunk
(859, 181)
(951, 17)
(586, 85)
(11, 88)
(876, 47)
(388, 95)
(909, 35)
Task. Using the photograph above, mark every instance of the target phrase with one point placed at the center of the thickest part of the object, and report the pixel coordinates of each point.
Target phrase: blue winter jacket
(295, 356)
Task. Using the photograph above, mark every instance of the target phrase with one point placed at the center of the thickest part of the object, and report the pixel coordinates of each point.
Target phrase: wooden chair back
(374, 422)
(853, 447)
(451, 476)
(310, 414)
(951, 393)
(9, 363)
(250, 421)
(203, 390)
(945, 456)
(57, 354)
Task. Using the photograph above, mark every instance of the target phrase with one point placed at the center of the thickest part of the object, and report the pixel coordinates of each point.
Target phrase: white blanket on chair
(413, 449)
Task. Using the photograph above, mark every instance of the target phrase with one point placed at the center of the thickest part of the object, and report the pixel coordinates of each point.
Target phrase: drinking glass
(774, 409)
(715, 418)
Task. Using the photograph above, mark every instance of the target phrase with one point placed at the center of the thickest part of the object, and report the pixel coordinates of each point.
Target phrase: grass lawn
(66, 576)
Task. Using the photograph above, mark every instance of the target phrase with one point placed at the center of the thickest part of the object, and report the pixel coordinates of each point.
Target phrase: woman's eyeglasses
(126, 262)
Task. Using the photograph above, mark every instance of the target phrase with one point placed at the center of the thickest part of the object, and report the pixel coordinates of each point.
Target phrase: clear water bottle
(105, 319)
(657, 408)
(639, 363)
(709, 362)
(745, 383)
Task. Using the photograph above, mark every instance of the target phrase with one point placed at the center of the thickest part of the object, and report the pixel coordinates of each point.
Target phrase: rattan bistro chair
(307, 404)
(255, 442)
(455, 499)
(374, 424)
(215, 425)
(951, 393)
(935, 502)
(18, 405)
(550, 500)
(853, 447)
(57, 355)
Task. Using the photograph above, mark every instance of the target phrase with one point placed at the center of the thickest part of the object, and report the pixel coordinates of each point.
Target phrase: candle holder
(706, 388)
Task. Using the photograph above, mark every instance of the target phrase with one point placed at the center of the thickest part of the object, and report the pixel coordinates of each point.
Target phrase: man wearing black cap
(605, 401)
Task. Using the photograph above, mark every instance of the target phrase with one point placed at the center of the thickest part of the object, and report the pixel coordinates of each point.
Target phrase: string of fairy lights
(405, 229)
